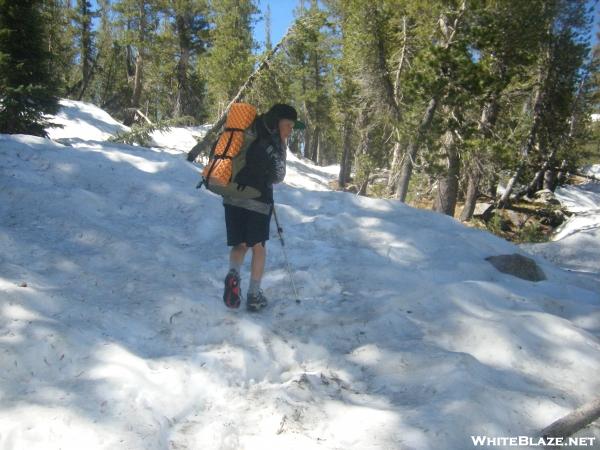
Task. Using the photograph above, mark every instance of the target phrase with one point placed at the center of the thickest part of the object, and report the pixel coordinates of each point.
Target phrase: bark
(411, 151)
(183, 90)
(473, 177)
(314, 151)
(345, 162)
(538, 180)
(447, 190)
(137, 81)
(573, 422)
(363, 187)
(307, 140)
(319, 149)
(550, 180)
(139, 59)
(396, 162)
(561, 177)
(363, 149)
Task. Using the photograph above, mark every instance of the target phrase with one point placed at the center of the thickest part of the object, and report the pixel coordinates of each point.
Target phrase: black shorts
(245, 226)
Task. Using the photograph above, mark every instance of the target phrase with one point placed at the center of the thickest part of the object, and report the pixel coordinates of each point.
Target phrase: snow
(80, 120)
(114, 335)
(575, 245)
(177, 138)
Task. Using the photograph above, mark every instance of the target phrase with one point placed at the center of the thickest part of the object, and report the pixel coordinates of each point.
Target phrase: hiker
(248, 220)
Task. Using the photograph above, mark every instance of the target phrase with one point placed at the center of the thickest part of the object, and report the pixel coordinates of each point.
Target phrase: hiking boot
(232, 295)
(256, 301)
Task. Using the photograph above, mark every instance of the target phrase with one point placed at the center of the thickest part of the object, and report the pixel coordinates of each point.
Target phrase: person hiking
(248, 220)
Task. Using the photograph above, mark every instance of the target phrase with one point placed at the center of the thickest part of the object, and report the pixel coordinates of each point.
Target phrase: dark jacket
(265, 161)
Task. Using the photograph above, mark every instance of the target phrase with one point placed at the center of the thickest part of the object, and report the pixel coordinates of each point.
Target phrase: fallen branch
(589, 177)
(574, 421)
(211, 135)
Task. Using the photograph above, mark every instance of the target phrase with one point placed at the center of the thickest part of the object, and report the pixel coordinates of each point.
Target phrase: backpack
(228, 154)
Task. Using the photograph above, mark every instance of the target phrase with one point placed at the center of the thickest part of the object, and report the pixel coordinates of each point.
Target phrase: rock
(517, 265)
(518, 219)
(482, 209)
(546, 196)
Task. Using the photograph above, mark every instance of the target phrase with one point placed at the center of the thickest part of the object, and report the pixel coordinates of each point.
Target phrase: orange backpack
(228, 155)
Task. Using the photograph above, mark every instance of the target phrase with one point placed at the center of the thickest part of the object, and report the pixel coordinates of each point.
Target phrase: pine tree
(60, 36)
(27, 89)
(229, 61)
(191, 29)
(139, 22)
(557, 78)
(109, 87)
(310, 57)
(82, 19)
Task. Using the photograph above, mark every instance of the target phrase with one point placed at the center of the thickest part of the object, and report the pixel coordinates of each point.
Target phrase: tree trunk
(294, 144)
(472, 194)
(307, 140)
(137, 81)
(447, 191)
(183, 90)
(538, 180)
(550, 180)
(139, 59)
(396, 163)
(531, 140)
(319, 150)
(448, 30)
(489, 114)
(363, 150)
(314, 151)
(344, 169)
(413, 147)
(363, 187)
(562, 174)
(86, 47)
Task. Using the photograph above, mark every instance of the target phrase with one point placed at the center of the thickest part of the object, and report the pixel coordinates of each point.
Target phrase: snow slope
(576, 244)
(114, 336)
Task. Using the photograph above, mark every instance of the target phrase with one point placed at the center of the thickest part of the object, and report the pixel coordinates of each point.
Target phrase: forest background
(444, 100)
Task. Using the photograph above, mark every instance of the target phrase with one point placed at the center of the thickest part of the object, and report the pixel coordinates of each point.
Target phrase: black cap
(283, 111)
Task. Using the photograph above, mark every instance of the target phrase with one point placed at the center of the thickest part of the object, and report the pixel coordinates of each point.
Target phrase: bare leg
(257, 267)
(236, 256)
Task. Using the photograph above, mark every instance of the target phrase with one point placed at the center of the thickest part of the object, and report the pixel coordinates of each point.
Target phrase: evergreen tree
(109, 87)
(27, 89)
(229, 61)
(82, 19)
(190, 26)
(60, 36)
(139, 23)
(558, 69)
(310, 57)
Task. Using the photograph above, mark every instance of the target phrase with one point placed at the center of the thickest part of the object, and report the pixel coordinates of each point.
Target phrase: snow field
(113, 332)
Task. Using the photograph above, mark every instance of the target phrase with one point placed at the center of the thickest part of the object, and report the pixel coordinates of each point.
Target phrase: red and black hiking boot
(232, 294)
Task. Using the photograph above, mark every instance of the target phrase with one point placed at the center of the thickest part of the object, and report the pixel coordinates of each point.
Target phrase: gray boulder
(517, 265)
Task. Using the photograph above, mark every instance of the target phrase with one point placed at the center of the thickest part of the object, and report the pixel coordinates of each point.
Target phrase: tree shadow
(110, 327)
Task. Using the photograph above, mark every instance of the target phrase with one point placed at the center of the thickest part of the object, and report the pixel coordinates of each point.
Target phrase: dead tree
(210, 136)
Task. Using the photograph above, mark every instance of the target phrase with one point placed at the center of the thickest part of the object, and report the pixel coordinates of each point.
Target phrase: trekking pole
(287, 262)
